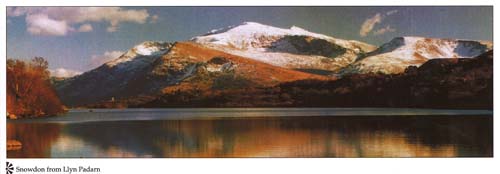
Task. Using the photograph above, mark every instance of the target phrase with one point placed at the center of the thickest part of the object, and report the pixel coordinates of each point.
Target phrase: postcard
(148, 82)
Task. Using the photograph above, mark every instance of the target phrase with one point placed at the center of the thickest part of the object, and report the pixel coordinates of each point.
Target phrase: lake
(256, 132)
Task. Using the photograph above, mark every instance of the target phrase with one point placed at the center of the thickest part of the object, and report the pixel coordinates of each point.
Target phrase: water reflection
(361, 136)
(36, 138)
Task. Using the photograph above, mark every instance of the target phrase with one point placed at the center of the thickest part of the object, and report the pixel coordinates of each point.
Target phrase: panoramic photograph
(249, 82)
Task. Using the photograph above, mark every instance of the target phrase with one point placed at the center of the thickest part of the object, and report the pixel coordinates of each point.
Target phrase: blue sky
(81, 38)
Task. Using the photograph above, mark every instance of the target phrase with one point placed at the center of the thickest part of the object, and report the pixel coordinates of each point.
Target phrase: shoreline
(148, 114)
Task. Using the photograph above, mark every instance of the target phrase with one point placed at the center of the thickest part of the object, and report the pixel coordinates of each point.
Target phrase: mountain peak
(411, 39)
(401, 52)
(254, 35)
(417, 42)
(148, 48)
(254, 28)
(285, 47)
(295, 28)
(144, 49)
(252, 23)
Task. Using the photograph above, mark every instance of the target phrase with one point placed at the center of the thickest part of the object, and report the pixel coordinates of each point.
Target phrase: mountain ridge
(170, 72)
(278, 46)
(402, 52)
(250, 55)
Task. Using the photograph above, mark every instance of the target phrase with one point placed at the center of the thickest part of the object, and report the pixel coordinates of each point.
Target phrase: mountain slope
(171, 68)
(401, 52)
(247, 56)
(112, 78)
(463, 83)
(213, 69)
(293, 48)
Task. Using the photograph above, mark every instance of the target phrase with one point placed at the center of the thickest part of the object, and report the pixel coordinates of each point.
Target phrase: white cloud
(154, 19)
(62, 72)
(387, 28)
(369, 24)
(41, 24)
(113, 27)
(391, 12)
(98, 60)
(85, 28)
(71, 16)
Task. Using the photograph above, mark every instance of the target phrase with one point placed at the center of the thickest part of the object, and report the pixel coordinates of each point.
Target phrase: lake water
(256, 132)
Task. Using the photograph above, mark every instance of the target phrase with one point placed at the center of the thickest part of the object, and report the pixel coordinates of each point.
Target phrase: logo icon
(9, 168)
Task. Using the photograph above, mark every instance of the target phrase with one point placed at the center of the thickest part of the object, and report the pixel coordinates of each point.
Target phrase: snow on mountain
(249, 51)
(151, 68)
(401, 52)
(252, 35)
(113, 77)
(141, 52)
(291, 48)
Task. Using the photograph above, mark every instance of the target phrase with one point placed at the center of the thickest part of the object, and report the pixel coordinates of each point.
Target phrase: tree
(29, 91)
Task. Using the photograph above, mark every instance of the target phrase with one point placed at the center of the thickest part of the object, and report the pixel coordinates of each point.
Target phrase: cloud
(61, 72)
(85, 28)
(391, 12)
(72, 16)
(41, 24)
(384, 30)
(154, 19)
(370, 23)
(95, 61)
(98, 60)
(112, 28)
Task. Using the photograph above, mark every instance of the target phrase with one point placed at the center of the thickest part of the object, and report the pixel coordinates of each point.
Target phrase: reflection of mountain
(293, 137)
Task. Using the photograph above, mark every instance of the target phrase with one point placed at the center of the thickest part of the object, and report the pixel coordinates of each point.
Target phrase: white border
(3, 91)
(331, 165)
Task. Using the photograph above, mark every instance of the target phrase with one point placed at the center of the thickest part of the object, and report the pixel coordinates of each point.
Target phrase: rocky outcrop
(306, 45)
(14, 145)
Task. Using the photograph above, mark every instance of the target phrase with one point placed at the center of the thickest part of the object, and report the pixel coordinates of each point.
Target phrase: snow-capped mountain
(252, 35)
(249, 55)
(291, 48)
(141, 54)
(153, 68)
(401, 52)
(112, 77)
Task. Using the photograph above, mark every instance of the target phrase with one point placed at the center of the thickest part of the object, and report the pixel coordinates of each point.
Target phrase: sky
(78, 39)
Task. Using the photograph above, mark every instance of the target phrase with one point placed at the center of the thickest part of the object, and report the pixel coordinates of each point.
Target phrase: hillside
(438, 83)
(293, 48)
(234, 65)
(401, 52)
(184, 66)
